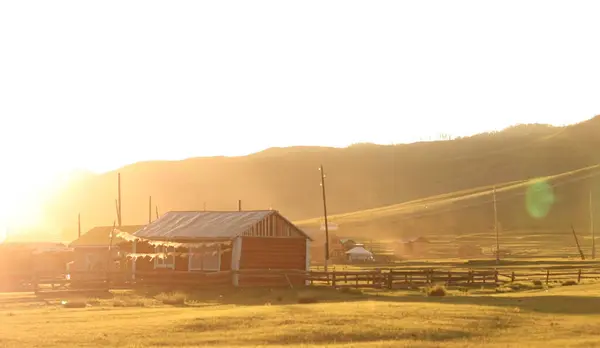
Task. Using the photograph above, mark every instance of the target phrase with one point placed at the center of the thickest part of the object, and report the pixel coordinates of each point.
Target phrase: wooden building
(336, 247)
(91, 255)
(224, 241)
(21, 262)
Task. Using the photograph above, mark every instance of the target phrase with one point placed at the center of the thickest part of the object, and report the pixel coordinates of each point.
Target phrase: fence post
(496, 276)
(512, 277)
(390, 279)
(333, 278)
(449, 278)
(579, 276)
(470, 280)
(547, 276)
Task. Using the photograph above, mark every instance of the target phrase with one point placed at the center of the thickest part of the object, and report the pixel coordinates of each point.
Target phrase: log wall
(272, 253)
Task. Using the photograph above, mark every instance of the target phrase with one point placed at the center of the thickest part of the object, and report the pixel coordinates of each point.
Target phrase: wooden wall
(274, 225)
(272, 253)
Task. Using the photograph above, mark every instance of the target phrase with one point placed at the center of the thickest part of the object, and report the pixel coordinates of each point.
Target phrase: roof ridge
(220, 211)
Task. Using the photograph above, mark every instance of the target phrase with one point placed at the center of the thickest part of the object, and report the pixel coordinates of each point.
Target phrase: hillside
(535, 217)
(359, 177)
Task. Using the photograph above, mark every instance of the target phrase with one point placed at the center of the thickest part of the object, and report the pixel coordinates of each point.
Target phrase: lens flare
(539, 199)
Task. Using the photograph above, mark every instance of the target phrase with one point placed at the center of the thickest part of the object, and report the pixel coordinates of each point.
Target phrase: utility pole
(79, 225)
(592, 226)
(119, 204)
(577, 243)
(239, 205)
(325, 218)
(496, 228)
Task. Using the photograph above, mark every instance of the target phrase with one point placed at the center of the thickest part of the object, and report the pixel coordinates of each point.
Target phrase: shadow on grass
(535, 302)
(259, 296)
(555, 304)
(338, 331)
(77, 294)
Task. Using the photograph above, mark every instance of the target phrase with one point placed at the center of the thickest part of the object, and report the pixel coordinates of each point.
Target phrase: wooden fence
(382, 279)
(396, 278)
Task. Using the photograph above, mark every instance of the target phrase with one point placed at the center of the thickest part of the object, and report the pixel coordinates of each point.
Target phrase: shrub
(74, 304)
(538, 283)
(516, 286)
(307, 297)
(569, 283)
(350, 291)
(173, 298)
(123, 303)
(437, 290)
(93, 301)
(504, 289)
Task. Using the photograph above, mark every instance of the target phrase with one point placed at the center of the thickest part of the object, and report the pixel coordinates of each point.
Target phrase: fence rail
(388, 279)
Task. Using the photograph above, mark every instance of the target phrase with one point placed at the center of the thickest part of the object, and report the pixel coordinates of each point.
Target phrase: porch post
(307, 282)
(236, 254)
(133, 249)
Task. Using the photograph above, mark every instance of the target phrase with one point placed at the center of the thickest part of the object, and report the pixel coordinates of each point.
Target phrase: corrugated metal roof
(100, 236)
(202, 224)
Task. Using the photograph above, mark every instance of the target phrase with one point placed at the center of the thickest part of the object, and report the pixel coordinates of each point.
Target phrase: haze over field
(90, 88)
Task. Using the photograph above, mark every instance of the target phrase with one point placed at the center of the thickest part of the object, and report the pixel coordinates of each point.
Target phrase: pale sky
(99, 84)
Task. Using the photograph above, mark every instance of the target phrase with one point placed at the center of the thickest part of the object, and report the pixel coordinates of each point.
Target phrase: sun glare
(20, 203)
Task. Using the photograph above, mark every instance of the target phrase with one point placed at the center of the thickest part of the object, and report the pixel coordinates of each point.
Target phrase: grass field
(557, 317)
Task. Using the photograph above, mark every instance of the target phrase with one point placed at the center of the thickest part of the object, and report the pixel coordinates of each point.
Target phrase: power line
(505, 197)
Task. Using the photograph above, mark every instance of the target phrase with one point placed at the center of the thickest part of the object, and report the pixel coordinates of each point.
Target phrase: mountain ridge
(359, 177)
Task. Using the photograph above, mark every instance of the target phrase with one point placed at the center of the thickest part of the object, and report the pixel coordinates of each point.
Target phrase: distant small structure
(359, 254)
(336, 246)
(19, 262)
(413, 247)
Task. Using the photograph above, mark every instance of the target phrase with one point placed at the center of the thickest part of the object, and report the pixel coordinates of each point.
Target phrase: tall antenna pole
(117, 210)
(150, 209)
(157, 212)
(109, 260)
(325, 218)
(496, 228)
(592, 227)
(239, 205)
(119, 205)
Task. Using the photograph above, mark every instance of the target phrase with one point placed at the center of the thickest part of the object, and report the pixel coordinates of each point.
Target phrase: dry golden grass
(560, 317)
